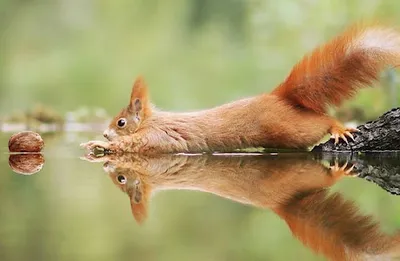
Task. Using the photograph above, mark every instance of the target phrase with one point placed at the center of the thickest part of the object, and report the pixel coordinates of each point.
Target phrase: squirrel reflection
(293, 188)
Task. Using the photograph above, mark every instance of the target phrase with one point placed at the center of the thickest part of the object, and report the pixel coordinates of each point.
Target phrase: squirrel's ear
(139, 102)
(139, 202)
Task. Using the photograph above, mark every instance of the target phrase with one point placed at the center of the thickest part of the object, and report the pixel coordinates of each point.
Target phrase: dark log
(382, 134)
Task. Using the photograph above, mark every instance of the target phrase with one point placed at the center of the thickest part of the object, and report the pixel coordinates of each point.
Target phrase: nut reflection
(26, 164)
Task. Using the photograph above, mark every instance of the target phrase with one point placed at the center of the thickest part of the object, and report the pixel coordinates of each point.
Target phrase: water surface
(198, 207)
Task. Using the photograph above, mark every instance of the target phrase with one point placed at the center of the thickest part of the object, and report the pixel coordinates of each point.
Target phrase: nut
(25, 141)
(26, 164)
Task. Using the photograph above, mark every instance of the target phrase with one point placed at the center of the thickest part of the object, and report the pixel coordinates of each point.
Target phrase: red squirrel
(295, 188)
(292, 116)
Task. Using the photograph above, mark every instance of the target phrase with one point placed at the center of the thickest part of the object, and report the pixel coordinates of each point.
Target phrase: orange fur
(334, 71)
(292, 116)
(332, 226)
(294, 188)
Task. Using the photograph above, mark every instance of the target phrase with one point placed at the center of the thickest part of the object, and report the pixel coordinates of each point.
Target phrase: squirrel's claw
(344, 170)
(348, 134)
(343, 134)
(343, 137)
(335, 136)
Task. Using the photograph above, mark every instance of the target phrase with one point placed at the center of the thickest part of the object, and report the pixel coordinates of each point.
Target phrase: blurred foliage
(39, 113)
(194, 54)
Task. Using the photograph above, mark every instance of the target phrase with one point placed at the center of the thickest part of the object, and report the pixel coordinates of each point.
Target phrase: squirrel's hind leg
(338, 131)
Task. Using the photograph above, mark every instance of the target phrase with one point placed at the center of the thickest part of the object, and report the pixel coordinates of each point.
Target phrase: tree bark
(382, 134)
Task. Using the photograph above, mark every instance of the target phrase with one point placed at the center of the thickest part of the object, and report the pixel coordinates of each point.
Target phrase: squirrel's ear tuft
(139, 102)
(139, 212)
(139, 201)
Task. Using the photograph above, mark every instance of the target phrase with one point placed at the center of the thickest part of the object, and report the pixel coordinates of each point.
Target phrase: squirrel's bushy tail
(334, 71)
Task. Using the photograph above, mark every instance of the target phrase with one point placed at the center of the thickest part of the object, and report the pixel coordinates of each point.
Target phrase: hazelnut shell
(25, 141)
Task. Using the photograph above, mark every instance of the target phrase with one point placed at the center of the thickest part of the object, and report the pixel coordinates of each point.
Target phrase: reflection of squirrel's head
(134, 185)
(138, 176)
(130, 118)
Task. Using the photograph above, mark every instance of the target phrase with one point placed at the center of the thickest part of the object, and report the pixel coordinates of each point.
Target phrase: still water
(198, 207)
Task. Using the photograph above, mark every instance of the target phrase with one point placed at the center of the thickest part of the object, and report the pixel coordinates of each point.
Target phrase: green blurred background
(194, 53)
(69, 54)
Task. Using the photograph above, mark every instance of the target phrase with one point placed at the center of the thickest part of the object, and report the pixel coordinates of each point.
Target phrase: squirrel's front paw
(97, 146)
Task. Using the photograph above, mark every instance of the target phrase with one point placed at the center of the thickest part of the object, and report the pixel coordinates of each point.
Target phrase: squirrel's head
(134, 185)
(130, 118)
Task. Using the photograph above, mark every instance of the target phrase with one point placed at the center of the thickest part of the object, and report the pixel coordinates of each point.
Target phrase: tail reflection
(294, 188)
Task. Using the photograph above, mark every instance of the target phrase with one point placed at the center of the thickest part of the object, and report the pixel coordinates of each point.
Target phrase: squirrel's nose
(105, 134)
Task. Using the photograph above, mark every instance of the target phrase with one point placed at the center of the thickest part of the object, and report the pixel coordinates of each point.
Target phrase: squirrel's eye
(121, 179)
(121, 123)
